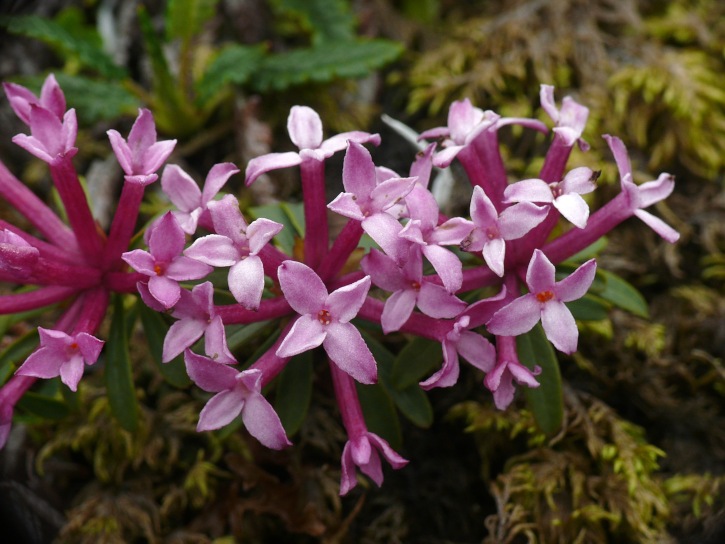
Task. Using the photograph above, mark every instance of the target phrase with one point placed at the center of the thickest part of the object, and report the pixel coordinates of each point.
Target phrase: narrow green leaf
(46, 407)
(296, 214)
(234, 64)
(16, 353)
(546, 401)
(591, 251)
(415, 361)
(97, 100)
(380, 415)
(588, 308)
(155, 329)
(239, 335)
(119, 378)
(353, 59)
(622, 294)
(185, 18)
(70, 43)
(285, 240)
(411, 400)
(294, 392)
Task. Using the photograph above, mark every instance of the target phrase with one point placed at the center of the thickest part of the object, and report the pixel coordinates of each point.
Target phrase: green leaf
(47, 407)
(622, 294)
(234, 64)
(323, 63)
(239, 335)
(119, 378)
(70, 43)
(97, 100)
(155, 329)
(285, 240)
(411, 400)
(415, 361)
(546, 401)
(296, 214)
(380, 415)
(588, 308)
(185, 18)
(16, 353)
(326, 20)
(294, 392)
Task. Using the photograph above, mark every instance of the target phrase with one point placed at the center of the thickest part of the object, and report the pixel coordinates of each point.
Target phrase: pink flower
(491, 230)
(305, 130)
(545, 302)
(563, 195)
(409, 288)
(236, 245)
(62, 355)
(21, 99)
(325, 320)
(196, 316)
(141, 155)
(643, 196)
(164, 264)
(236, 393)
(499, 380)
(50, 138)
(363, 451)
(570, 119)
(191, 203)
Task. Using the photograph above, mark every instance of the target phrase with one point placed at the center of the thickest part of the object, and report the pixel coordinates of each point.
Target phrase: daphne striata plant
(472, 285)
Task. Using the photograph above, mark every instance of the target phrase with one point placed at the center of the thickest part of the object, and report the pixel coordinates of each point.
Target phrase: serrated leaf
(234, 64)
(155, 329)
(52, 33)
(415, 361)
(119, 378)
(294, 392)
(622, 294)
(97, 100)
(327, 20)
(546, 401)
(185, 18)
(320, 64)
(16, 353)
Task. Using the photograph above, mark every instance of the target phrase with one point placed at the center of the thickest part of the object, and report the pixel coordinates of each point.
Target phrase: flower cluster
(417, 277)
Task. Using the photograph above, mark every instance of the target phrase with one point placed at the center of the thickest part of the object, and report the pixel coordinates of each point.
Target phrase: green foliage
(595, 482)
(185, 97)
(119, 377)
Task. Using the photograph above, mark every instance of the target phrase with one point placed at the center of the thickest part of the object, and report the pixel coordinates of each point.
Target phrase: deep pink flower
(545, 302)
(236, 245)
(325, 320)
(21, 99)
(50, 138)
(17, 256)
(305, 130)
(236, 392)
(62, 355)
(141, 155)
(364, 452)
(164, 264)
(507, 370)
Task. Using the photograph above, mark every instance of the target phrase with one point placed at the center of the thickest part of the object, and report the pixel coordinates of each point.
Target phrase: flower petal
(180, 188)
(659, 226)
(517, 317)
(304, 127)
(494, 253)
(221, 409)
(344, 303)
(540, 273)
(246, 282)
(306, 333)
(181, 335)
(302, 287)
(559, 326)
(263, 423)
(529, 190)
(574, 208)
(271, 161)
(358, 171)
(209, 375)
(398, 308)
(215, 343)
(447, 265)
(478, 351)
(347, 349)
(435, 301)
(447, 376)
(261, 231)
(214, 250)
(165, 290)
(577, 283)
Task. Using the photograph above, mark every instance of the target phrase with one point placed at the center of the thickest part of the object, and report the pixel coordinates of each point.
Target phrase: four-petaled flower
(191, 203)
(570, 119)
(141, 155)
(61, 354)
(500, 380)
(491, 229)
(564, 195)
(325, 320)
(236, 392)
(545, 302)
(305, 130)
(236, 245)
(164, 263)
